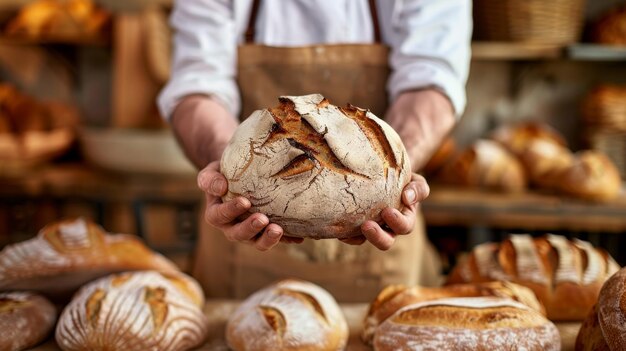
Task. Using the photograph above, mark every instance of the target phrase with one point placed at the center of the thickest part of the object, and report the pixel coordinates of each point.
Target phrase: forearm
(203, 127)
(422, 118)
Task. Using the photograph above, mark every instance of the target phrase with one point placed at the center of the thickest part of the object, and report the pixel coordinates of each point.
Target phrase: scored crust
(565, 275)
(476, 323)
(289, 315)
(143, 310)
(316, 169)
(66, 254)
(26, 319)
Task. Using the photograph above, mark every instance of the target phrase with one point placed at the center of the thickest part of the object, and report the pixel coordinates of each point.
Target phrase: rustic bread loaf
(69, 253)
(394, 297)
(473, 323)
(289, 315)
(592, 176)
(485, 164)
(604, 329)
(565, 275)
(444, 154)
(145, 310)
(517, 137)
(26, 320)
(611, 28)
(316, 169)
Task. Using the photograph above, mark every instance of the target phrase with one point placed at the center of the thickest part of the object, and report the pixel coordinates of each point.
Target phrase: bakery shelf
(486, 50)
(529, 211)
(593, 52)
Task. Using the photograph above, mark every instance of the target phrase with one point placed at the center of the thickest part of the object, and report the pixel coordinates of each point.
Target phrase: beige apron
(354, 74)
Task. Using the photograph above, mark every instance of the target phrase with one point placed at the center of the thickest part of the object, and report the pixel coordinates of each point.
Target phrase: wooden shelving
(514, 51)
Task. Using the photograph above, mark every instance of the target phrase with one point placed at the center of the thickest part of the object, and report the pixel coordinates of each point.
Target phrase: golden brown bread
(26, 320)
(604, 328)
(67, 254)
(473, 323)
(516, 137)
(565, 275)
(59, 19)
(145, 310)
(485, 164)
(394, 297)
(316, 169)
(444, 154)
(289, 315)
(592, 176)
(611, 28)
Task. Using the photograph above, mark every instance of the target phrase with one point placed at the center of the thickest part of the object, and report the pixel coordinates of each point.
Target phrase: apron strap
(255, 11)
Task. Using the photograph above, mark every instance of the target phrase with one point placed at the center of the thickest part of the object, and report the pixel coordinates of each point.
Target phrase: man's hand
(395, 222)
(422, 118)
(256, 229)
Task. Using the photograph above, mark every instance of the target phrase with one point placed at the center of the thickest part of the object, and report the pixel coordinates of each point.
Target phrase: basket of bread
(32, 132)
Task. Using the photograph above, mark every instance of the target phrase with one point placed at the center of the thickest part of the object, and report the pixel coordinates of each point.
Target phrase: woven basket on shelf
(538, 21)
(605, 108)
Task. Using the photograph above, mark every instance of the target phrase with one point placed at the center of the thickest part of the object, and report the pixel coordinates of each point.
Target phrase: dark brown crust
(590, 336)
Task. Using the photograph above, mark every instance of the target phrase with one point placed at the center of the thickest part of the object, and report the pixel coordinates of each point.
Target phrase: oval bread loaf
(289, 315)
(473, 323)
(144, 310)
(395, 297)
(316, 169)
(67, 254)
(605, 327)
(26, 320)
(566, 275)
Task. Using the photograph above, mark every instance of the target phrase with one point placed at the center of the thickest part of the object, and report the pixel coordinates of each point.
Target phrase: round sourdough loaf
(290, 315)
(316, 169)
(26, 320)
(605, 327)
(566, 275)
(143, 310)
(395, 297)
(473, 323)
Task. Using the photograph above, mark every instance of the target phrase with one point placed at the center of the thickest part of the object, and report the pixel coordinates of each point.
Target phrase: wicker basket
(613, 144)
(556, 22)
(604, 108)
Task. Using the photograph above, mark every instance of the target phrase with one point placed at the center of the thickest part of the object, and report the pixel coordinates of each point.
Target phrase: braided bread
(289, 315)
(474, 323)
(394, 297)
(565, 275)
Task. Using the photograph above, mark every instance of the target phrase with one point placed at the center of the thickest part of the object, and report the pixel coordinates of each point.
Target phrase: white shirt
(429, 41)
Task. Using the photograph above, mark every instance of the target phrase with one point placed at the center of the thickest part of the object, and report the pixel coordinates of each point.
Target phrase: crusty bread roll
(316, 169)
(517, 137)
(592, 176)
(145, 310)
(444, 154)
(485, 164)
(394, 297)
(26, 320)
(289, 315)
(69, 253)
(611, 28)
(604, 329)
(474, 323)
(565, 275)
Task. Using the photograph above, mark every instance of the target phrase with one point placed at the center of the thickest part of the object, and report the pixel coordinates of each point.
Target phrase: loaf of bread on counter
(485, 164)
(516, 137)
(144, 310)
(604, 329)
(566, 275)
(316, 169)
(67, 254)
(289, 315)
(26, 319)
(395, 297)
(592, 176)
(472, 323)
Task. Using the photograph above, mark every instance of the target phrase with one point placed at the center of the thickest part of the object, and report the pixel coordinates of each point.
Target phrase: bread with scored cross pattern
(316, 169)
(566, 275)
(289, 315)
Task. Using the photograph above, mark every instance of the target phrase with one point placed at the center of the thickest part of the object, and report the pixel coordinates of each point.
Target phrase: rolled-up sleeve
(430, 47)
(204, 58)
